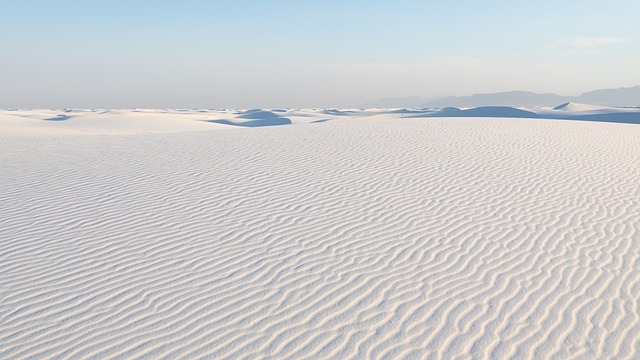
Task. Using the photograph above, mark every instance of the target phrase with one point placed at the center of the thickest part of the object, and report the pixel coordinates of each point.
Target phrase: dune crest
(571, 106)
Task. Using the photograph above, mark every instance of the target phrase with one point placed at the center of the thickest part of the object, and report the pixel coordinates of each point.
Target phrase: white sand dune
(571, 106)
(567, 111)
(104, 122)
(573, 111)
(361, 235)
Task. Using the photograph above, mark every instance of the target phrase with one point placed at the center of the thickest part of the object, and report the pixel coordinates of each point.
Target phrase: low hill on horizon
(606, 97)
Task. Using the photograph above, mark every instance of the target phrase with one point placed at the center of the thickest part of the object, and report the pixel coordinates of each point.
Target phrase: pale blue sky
(206, 54)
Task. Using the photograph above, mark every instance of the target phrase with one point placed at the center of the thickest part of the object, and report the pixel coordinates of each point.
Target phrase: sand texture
(331, 235)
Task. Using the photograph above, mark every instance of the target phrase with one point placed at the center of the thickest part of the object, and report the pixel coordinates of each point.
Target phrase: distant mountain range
(607, 97)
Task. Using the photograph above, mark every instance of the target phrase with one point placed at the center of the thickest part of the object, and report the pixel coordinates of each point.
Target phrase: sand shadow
(509, 112)
(60, 117)
(320, 121)
(255, 123)
(622, 118)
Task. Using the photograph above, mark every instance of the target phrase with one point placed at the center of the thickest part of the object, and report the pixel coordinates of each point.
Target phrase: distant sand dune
(363, 237)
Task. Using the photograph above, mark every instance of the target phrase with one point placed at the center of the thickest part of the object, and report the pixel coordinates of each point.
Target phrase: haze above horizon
(197, 54)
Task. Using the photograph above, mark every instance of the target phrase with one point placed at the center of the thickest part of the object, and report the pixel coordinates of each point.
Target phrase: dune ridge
(368, 237)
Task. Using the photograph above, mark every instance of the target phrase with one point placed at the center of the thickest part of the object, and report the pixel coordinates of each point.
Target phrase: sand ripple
(383, 238)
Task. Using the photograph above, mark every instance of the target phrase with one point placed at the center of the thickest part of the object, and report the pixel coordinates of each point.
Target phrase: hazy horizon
(197, 54)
